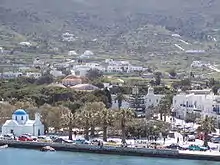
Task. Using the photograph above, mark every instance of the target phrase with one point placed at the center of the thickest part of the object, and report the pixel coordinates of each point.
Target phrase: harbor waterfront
(162, 153)
(12, 156)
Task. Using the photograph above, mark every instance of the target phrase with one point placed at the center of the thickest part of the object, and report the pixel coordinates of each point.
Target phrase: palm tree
(107, 119)
(124, 116)
(207, 126)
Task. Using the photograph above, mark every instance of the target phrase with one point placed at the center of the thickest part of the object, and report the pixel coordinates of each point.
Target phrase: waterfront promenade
(128, 151)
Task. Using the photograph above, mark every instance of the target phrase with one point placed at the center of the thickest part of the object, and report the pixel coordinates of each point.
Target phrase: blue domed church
(21, 124)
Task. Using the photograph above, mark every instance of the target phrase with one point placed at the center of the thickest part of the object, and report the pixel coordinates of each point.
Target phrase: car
(175, 146)
(45, 139)
(54, 137)
(61, 140)
(197, 148)
(215, 140)
(8, 137)
(32, 137)
(24, 138)
(82, 141)
(191, 138)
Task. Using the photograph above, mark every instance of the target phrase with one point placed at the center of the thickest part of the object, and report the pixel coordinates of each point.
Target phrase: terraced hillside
(111, 27)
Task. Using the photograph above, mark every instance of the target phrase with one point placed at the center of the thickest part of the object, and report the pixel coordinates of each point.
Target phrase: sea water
(12, 156)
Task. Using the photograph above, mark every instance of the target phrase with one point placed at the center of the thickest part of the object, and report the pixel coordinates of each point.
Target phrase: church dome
(20, 112)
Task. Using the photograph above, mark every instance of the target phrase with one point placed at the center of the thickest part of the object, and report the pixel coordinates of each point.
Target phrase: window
(16, 118)
(22, 117)
(157, 100)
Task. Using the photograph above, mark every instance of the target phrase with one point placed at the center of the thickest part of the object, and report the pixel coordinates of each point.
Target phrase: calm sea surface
(32, 157)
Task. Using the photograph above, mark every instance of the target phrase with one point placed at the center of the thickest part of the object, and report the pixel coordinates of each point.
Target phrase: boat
(4, 146)
(47, 148)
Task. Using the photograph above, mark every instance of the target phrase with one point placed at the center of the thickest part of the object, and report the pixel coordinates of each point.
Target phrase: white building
(56, 73)
(35, 75)
(1, 50)
(82, 70)
(151, 100)
(88, 53)
(72, 53)
(28, 44)
(122, 66)
(21, 124)
(68, 37)
(201, 102)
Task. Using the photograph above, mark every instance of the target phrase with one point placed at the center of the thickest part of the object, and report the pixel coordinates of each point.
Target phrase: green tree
(157, 77)
(155, 127)
(53, 117)
(94, 74)
(109, 97)
(45, 79)
(164, 106)
(6, 110)
(207, 126)
(124, 116)
(73, 107)
(215, 88)
(137, 128)
(107, 118)
(86, 117)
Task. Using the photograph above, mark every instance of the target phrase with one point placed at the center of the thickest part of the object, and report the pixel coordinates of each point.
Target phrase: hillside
(111, 27)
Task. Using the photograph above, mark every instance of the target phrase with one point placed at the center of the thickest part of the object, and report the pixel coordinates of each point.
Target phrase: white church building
(151, 100)
(21, 124)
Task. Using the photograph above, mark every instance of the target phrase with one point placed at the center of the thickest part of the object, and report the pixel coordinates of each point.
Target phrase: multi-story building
(82, 70)
(199, 102)
(122, 66)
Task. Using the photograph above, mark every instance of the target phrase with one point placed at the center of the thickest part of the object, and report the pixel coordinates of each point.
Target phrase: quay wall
(162, 153)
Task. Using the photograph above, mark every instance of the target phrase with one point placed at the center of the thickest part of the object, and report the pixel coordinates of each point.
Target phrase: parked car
(61, 140)
(191, 138)
(45, 139)
(175, 146)
(24, 138)
(32, 137)
(82, 141)
(215, 140)
(197, 148)
(8, 137)
(54, 137)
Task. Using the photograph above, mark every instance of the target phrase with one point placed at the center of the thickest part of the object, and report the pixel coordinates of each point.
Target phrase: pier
(128, 151)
